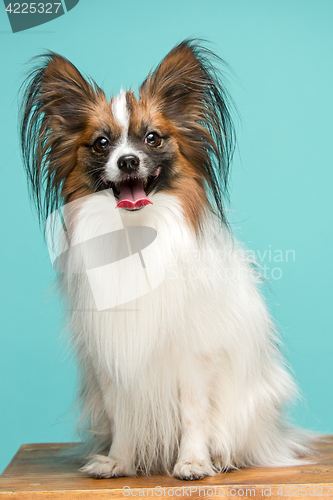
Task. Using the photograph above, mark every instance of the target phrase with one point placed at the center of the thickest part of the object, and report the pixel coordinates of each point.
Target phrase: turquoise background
(281, 190)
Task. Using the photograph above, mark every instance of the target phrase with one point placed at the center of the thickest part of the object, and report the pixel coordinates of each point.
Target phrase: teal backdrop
(280, 52)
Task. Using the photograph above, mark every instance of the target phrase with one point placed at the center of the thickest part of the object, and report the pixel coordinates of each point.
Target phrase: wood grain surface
(41, 471)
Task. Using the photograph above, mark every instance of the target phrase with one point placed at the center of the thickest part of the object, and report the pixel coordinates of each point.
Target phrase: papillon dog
(180, 363)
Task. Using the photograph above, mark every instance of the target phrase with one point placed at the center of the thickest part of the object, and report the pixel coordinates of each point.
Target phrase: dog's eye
(101, 144)
(153, 139)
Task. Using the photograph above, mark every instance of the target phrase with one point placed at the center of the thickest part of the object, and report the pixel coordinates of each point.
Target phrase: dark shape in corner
(70, 4)
(23, 16)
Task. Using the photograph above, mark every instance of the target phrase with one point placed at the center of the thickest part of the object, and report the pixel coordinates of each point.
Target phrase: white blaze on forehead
(120, 111)
(124, 146)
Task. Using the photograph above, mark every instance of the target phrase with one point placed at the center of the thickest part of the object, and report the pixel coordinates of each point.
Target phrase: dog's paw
(102, 467)
(193, 470)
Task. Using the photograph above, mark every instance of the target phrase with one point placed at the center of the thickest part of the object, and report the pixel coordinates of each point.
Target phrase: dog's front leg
(120, 459)
(194, 460)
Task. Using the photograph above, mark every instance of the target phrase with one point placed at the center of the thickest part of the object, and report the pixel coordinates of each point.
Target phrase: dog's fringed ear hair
(56, 104)
(186, 87)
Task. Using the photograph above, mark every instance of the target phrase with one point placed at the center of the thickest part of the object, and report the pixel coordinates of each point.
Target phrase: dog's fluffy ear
(186, 85)
(57, 103)
(176, 84)
(62, 90)
(187, 89)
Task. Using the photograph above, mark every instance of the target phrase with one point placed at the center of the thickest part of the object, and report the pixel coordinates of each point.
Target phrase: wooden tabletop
(39, 471)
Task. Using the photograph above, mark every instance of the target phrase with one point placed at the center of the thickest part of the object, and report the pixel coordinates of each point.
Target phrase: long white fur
(120, 111)
(189, 377)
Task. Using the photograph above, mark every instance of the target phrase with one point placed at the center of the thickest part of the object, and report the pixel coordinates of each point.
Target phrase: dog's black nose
(128, 163)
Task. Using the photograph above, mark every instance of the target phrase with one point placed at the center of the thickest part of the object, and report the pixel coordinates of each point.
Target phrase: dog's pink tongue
(132, 195)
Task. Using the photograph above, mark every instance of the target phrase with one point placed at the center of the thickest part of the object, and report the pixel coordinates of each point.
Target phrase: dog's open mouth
(133, 192)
